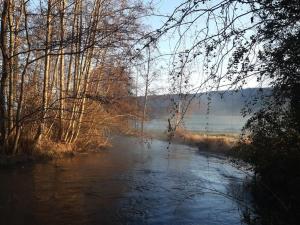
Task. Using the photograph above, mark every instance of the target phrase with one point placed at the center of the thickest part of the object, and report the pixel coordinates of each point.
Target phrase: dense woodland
(62, 64)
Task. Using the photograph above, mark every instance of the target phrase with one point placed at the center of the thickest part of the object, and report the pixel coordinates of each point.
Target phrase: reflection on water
(133, 183)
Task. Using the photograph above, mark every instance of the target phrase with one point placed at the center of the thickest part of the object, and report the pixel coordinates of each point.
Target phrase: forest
(65, 71)
(82, 75)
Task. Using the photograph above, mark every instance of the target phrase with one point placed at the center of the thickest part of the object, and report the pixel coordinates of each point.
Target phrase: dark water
(133, 183)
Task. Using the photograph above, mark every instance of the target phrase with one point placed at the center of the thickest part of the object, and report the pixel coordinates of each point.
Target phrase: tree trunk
(62, 73)
(5, 72)
(11, 70)
(146, 93)
(46, 74)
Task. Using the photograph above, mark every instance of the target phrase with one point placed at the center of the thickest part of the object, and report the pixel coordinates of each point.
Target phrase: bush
(271, 144)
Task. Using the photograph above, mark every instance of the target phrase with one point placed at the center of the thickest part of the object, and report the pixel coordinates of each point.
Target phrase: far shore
(220, 143)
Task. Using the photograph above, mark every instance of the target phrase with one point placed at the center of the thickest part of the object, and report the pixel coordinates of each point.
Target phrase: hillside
(214, 103)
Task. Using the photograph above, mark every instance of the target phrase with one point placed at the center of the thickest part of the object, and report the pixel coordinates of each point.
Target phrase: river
(202, 123)
(132, 183)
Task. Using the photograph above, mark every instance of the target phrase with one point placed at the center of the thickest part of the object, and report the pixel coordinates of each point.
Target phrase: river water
(133, 183)
(203, 123)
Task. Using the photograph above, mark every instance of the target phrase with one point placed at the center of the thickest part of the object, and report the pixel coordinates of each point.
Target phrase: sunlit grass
(211, 142)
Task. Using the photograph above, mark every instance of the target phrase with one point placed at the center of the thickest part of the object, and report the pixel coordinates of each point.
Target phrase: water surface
(132, 183)
(203, 123)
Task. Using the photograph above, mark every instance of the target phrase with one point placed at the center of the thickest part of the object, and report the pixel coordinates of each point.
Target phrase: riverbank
(43, 152)
(47, 151)
(211, 143)
(220, 143)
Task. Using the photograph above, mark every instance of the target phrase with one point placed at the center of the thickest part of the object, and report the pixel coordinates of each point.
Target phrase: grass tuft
(221, 143)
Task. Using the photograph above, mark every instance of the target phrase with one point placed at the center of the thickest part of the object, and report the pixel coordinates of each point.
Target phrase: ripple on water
(133, 183)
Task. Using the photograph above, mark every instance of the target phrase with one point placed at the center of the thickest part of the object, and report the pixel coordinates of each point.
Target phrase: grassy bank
(37, 152)
(220, 143)
(213, 142)
(48, 150)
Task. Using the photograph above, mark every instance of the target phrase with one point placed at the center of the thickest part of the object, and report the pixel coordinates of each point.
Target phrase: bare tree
(47, 64)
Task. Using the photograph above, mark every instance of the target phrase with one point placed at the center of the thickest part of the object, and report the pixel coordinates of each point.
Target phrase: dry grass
(46, 150)
(215, 143)
(42, 152)
(52, 150)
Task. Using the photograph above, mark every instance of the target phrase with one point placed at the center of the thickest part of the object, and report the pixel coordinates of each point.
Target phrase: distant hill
(218, 102)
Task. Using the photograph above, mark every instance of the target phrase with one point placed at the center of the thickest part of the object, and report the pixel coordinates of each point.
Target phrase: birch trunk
(11, 70)
(5, 72)
(146, 93)
(21, 95)
(85, 69)
(46, 74)
(62, 72)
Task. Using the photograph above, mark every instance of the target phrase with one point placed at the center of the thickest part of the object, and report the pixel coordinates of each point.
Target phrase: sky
(163, 65)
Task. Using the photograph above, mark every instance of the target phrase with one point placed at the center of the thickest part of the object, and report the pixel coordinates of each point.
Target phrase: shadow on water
(132, 183)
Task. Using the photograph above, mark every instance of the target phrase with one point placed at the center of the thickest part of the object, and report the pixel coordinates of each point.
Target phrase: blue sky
(166, 45)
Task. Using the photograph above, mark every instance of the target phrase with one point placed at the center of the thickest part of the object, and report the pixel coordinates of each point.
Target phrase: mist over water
(206, 112)
(202, 123)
